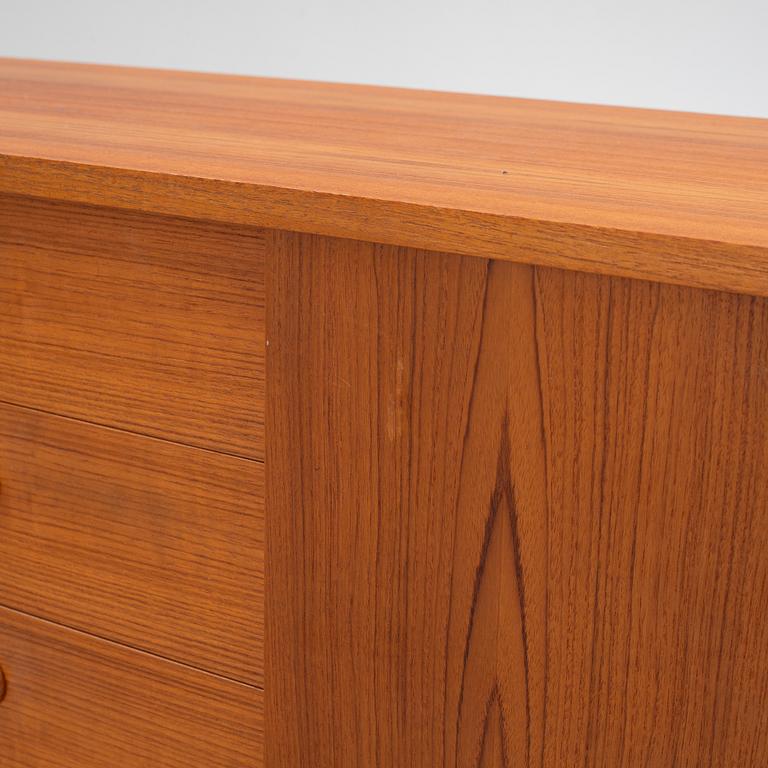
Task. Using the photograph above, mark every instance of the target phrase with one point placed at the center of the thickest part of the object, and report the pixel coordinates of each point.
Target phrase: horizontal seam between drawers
(131, 647)
(137, 433)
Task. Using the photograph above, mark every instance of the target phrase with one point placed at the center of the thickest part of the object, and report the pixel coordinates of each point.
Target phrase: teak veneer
(353, 427)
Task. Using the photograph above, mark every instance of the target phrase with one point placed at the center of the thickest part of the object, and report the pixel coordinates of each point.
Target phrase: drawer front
(144, 322)
(74, 701)
(135, 539)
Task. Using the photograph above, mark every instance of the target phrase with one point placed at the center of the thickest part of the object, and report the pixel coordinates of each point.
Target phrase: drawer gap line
(129, 646)
(123, 430)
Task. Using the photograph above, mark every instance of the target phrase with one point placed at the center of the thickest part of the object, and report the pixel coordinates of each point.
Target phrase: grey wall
(696, 55)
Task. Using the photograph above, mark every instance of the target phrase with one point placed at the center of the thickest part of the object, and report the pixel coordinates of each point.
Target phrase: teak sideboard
(353, 427)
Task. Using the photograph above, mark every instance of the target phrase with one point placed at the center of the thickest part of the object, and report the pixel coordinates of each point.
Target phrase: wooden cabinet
(346, 427)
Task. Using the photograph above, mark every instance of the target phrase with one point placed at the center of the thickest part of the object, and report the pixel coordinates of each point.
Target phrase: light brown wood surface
(148, 323)
(666, 196)
(517, 516)
(516, 481)
(75, 701)
(154, 544)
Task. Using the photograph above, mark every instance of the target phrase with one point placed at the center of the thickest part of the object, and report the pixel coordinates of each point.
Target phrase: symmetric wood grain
(517, 517)
(657, 195)
(148, 323)
(74, 700)
(151, 543)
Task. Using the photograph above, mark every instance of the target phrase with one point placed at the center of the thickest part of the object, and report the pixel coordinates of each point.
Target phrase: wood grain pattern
(665, 196)
(657, 440)
(74, 701)
(154, 544)
(518, 517)
(147, 323)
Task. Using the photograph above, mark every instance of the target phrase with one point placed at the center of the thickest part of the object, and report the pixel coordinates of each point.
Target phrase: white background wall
(696, 55)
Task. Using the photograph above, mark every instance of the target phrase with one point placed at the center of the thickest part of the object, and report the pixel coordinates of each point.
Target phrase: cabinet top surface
(479, 159)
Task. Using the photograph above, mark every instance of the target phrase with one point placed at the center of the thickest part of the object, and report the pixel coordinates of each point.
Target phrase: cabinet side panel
(516, 517)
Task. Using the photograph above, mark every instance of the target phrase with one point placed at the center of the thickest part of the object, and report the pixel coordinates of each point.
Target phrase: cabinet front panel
(517, 516)
(147, 323)
(154, 544)
(75, 701)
